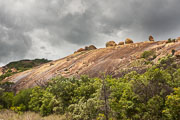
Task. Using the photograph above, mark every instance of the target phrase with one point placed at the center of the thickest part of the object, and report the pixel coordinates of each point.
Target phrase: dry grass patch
(10, 115)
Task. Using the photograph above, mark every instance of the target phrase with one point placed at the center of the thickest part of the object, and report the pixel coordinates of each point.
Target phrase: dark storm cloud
(13, 45)
(33, 28)
(143, 17)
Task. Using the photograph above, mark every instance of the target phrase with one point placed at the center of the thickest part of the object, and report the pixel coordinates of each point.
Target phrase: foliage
(148, 54)
(26, 64)
(36, 99)
(6, 86)
(7, 74)
(172, 109)
(21, 99)
(86, 110)
(171, 40)
(6, 99)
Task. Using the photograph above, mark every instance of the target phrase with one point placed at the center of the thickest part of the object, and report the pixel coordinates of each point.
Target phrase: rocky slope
(115, 61)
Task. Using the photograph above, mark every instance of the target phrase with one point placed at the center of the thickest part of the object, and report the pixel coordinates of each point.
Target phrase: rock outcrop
(91, 47)
(80, 50)
(121, 43)
(111, 44)
(151, 38)
(128, 41)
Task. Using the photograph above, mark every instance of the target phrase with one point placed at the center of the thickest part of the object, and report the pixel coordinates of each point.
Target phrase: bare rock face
(91, 47)
(151, 38)
(177, 54)
(121, 43)
(128, 41)
(1, 71)
(110, 44)
(114, 61)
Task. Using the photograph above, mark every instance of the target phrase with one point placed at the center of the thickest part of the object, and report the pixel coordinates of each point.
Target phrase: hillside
(115, 61)
(137, 81)
(19, 66)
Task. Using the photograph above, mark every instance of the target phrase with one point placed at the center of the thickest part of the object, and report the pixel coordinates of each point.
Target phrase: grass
(10, 115)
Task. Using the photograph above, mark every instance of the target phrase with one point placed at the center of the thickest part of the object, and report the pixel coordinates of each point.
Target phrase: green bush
(22, 99)
(172, 109)
(171, 40)
(147, 54)
(6, 99)
(5, 75)
(36, 99)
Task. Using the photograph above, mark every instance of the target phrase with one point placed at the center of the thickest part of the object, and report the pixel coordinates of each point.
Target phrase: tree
(36, 99)
(22, 99)
(6, 100)
(172, 109)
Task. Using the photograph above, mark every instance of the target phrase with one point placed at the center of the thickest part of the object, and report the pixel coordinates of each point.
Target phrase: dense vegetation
(26, 64)
(21, 66)
(154, 95)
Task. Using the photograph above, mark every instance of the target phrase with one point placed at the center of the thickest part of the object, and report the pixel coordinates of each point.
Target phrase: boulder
(110, 44)
(151, 38)
(80, 50)
(121, 43)
(128, 41)
(91, 47)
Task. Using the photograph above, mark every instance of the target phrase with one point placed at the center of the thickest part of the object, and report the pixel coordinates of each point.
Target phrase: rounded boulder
(111, 44)
(121, 43)
(128, 41)
(151, 38)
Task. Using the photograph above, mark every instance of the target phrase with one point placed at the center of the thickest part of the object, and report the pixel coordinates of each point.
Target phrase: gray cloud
(55, 28)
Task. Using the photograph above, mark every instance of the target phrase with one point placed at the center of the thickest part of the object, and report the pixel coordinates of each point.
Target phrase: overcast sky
(53, 29)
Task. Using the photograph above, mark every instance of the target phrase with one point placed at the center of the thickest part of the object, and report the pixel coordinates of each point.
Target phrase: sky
(53, 29)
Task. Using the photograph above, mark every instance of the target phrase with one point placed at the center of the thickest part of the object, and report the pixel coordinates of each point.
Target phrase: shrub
(173, 51)
(6, 100)
(22, 99)
(166, 61)
(174, 40)
(172, 109)
(147, 54)
(36, 99)
(171, 40)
